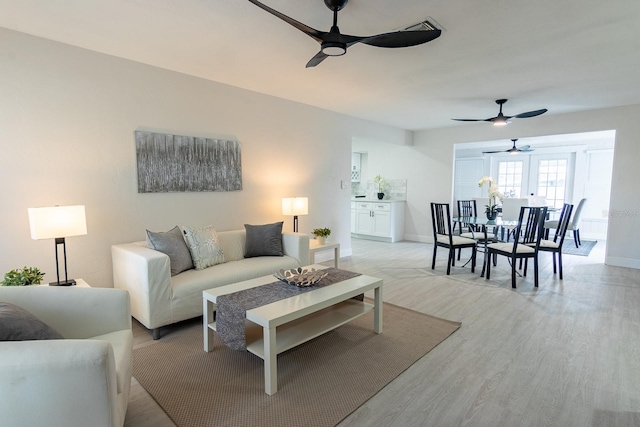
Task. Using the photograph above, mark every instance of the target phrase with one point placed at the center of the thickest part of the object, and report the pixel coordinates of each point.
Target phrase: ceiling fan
(333, 43)
(501, 119)
(512, 150)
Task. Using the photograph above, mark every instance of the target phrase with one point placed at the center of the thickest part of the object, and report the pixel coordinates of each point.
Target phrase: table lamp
(58, 222)
(295, 206)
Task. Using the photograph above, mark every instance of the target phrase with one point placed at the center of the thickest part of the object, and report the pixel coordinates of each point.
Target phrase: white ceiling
(566, 56)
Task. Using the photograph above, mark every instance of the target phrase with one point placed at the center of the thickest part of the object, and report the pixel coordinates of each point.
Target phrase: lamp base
(63, 283)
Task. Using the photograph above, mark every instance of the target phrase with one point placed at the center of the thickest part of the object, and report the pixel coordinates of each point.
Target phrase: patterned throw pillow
(204, 246)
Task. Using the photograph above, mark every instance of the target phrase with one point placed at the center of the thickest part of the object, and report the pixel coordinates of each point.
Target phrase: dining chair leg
(452, 257)
(513, 273)
(473, 259)
(576, 238)
(488, 272)
(535, 271)
(559, 264)
(433, 263)
(526, 266)
(579, 241)
(459, 253)
(553, 256)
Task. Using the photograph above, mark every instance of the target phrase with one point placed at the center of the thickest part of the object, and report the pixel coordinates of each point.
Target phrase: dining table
(480, 224)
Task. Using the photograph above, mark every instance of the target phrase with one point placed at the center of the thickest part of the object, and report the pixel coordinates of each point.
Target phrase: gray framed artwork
(175, 163)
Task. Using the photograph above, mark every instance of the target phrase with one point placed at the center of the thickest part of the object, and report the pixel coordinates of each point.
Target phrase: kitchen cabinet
(378, 220)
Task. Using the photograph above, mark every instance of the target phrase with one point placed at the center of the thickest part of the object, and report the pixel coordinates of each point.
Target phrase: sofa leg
(155, 333)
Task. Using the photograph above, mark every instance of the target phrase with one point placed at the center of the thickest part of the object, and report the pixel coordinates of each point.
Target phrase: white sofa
(159, 299)
(82, 380)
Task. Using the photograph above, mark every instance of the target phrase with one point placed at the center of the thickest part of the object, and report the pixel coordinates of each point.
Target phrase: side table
(314, 247)
(80, 283)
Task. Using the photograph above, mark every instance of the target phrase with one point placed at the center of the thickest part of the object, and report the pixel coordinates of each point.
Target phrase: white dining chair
(511, 211)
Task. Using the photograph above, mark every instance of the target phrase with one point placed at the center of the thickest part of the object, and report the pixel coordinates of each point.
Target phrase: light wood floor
(566, 354)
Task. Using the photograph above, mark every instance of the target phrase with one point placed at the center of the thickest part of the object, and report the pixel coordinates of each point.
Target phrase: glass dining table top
(483, 220)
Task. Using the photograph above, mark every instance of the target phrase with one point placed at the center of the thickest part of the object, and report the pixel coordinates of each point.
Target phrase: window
(552, 181)
(510, 177)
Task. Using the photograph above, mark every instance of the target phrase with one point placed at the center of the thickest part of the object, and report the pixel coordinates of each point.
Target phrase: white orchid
(494, 193)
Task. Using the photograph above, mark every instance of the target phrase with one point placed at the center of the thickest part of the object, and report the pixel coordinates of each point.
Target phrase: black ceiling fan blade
(471, 120)
(318, 58)
(530, 114)
(401, 38)
(493, 152)
(311, 32)
(525, 148)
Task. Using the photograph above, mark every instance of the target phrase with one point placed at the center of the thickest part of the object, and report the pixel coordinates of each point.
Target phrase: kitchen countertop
(367, 200)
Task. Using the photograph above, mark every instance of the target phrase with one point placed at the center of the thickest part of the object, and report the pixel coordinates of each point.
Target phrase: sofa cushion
(263, 240)
(186, 288)
(17, 324)
(171, 243)
(204, 247)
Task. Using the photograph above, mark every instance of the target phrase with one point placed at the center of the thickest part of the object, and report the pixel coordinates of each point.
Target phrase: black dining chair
(555, 246)
(443, 236)
(527, 235)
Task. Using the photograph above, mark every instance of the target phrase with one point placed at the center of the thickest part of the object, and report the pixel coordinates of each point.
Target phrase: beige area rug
(319, 382)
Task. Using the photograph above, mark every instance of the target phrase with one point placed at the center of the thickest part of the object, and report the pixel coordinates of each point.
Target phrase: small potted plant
(381, 186)
(321, 234)
(23, 277)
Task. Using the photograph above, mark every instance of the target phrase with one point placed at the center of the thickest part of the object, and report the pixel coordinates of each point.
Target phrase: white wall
(67, 122)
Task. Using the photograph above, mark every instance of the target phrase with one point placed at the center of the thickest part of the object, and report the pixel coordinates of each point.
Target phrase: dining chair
(466, 208)
(443, 236)
(527, 235)
(574, 224)
(555, 246)
(510, 211)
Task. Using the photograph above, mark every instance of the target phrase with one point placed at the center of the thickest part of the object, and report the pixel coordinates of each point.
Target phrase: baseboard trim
(418, 238)
(623, 262)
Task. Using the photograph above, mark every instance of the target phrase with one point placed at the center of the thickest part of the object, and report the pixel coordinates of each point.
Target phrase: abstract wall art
(175, 163)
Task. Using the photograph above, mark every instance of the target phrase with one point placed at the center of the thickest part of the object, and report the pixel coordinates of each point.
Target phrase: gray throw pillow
(172, 243)
(17, 324)
(263, 240)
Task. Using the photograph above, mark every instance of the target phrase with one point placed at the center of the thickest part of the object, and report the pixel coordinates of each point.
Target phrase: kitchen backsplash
(396, 189)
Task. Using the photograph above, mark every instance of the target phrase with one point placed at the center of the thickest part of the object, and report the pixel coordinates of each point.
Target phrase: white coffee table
(295, 320)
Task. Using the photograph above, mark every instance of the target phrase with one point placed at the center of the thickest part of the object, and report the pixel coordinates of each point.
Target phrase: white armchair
(82, 380)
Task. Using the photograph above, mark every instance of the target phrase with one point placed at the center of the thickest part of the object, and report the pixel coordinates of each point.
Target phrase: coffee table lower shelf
(305, 328)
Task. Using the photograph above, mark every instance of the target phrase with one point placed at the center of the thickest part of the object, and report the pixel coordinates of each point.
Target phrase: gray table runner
(231, 310)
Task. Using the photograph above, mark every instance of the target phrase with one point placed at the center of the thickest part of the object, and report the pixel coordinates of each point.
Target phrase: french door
(548, 175)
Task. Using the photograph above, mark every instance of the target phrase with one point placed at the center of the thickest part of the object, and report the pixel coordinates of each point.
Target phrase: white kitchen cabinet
(378, 220)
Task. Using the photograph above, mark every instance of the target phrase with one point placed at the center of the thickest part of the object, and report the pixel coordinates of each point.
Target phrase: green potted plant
(321, 234)
(381, 186)
(23, 277)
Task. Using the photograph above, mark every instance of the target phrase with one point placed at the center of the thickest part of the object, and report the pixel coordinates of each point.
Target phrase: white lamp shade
(295, 206)
(57, 221)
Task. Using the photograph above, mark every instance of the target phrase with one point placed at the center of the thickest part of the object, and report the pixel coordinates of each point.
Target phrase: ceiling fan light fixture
(501, 121)
(334, 48)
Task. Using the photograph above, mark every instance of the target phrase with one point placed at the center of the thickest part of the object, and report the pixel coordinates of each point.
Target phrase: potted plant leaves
(23, 277)
(321, 234)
